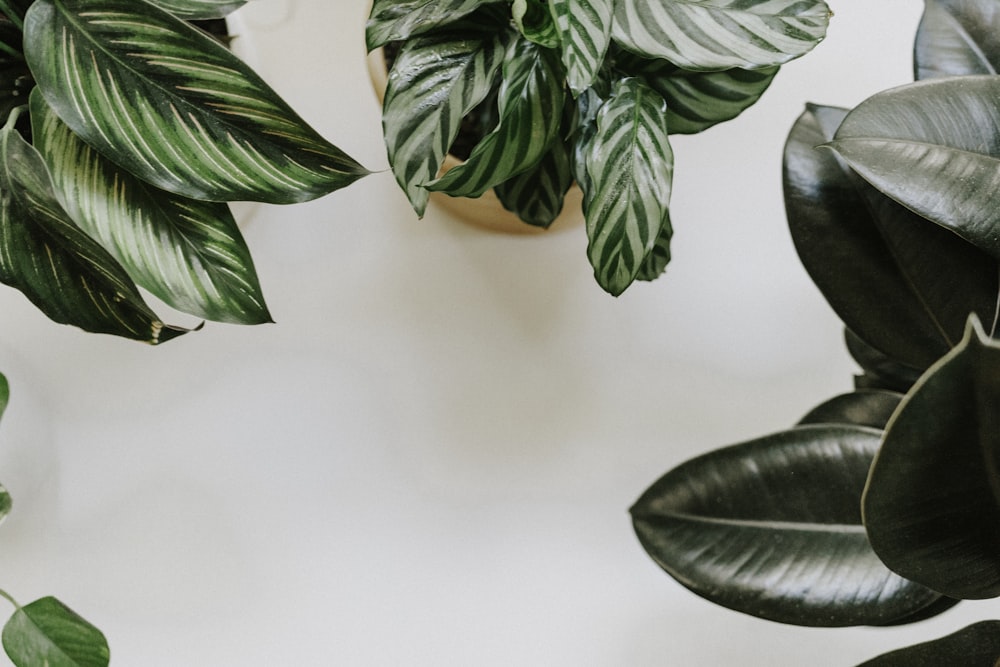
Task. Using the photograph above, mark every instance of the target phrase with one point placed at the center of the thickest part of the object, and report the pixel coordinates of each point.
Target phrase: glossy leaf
(903, 285)
(720, 34)
(193, 10)
(977, 645)
(870, 407)
(64, 272)
(878, 370)
(957, 37)
(772, 528)
(657, 259)
(188, 253)
(933, 146)
(932, 502)
(433, 84)
(629, 164)
(399, 20)
(169, 104)
(536, 196)
(532, 86)
(585, 30)
(47, 632)
(535, 23)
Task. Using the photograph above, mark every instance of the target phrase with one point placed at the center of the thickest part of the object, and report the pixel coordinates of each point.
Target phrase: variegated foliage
(397, 20)
(199, 9)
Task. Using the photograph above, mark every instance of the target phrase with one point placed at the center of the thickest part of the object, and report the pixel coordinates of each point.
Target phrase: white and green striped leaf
(585, 31)
(398, 20)
(630, 167)
(532, 88)
(188, 253)
(192, 10)
(433, 84)
(536, 196)
(177, 109)
(64, 272)
(720, 34)
(657, 259)
(536, 23)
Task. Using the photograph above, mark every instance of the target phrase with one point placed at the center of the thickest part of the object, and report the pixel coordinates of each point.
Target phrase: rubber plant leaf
(188, 253)
(195, 10)
(866, 407)
(434, 82)
(536, 196)
(772, 528)
(584, 28)
(47, 632)
(933, 146)
(535, 22)
(168, 103)
(629, 164)
(65, 273)
(878, 371)
(957, 37)
(932, 502)
(532, 86)
(720, 34)
(977, 644)
(868, 254)
(399, 20)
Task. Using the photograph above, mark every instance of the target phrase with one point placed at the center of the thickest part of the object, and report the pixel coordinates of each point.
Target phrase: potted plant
(126, 132)
(881, 506)
(585, 91)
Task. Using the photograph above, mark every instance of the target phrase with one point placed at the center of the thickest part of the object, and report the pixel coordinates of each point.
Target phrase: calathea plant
(576, 90)
(881, 506)
(126, 130)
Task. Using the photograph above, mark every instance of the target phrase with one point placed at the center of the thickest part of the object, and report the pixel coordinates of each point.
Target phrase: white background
(429, 458)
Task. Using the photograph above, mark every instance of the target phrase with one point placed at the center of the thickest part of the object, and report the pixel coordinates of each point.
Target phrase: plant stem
(11, 15)
(5, 595)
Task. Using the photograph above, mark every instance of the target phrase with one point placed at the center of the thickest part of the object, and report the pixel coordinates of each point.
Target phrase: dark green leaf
(878, 370)
(398, 20)
(585, 32)
(655, 263)
(957, 37)
(977, 645)
(536, 196)
(174, 107)
(870, 407)
(932, 503)
(4, 393)
(191, 10)
(47, 632)
(772, 528)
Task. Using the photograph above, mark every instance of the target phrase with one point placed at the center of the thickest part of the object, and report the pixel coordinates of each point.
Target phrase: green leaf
(957, 37)
(933, 146)
(64, 272)
(867, 407)
(536, 196)
(534, 21)
(977, 645)
(531, 88)
(4, 393)
(878, 370)
(720, 34)
(47, 632)
(629, 166)
(6, 503)
(177, 109)
(188, 253)
(655, 263)
(584, 28)
(398, 20)
(192, 10)
(869, 256)
(931, 506)
(772, 528)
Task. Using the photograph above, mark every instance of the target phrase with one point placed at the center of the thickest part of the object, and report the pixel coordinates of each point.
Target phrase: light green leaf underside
(397, 20)
(47, 632)
(165, 101)
(188, 253)
(720, 34)
(199, 9)
(629, 164)
(530, 100)
(64, 272)
(585, 30)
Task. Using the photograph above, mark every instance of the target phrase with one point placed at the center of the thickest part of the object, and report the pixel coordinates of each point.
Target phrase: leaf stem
(9, 12)
(7, 596)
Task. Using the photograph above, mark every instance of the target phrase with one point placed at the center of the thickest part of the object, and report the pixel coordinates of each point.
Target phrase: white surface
(429, 458)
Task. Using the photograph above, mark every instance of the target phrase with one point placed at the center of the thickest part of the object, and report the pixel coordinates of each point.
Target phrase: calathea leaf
(629, 165)
(657, 259)
(532, 87)
(47, 632)
(537, 195)
(4, 393)
(720, 34)
(957, 37)
(192, 10)
(6, 503)
(533, 19)
(168, 103)
(188, 253)
(64, 272)
(932, 502)
(772, 528)
(398, 20)
(584, 28)
(866, 407)
(978, 645)
(433, 84)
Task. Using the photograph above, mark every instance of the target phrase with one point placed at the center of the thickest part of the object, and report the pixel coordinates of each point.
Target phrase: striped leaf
(531, 89)
(174, 107)
(433, 84)
(192, 10)
(537, 195)
(64, 272)
(398, 20)
(533, 19)
(720, 34)
(188, 253)
(657, 259)
(629, 166)
(585, 31)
